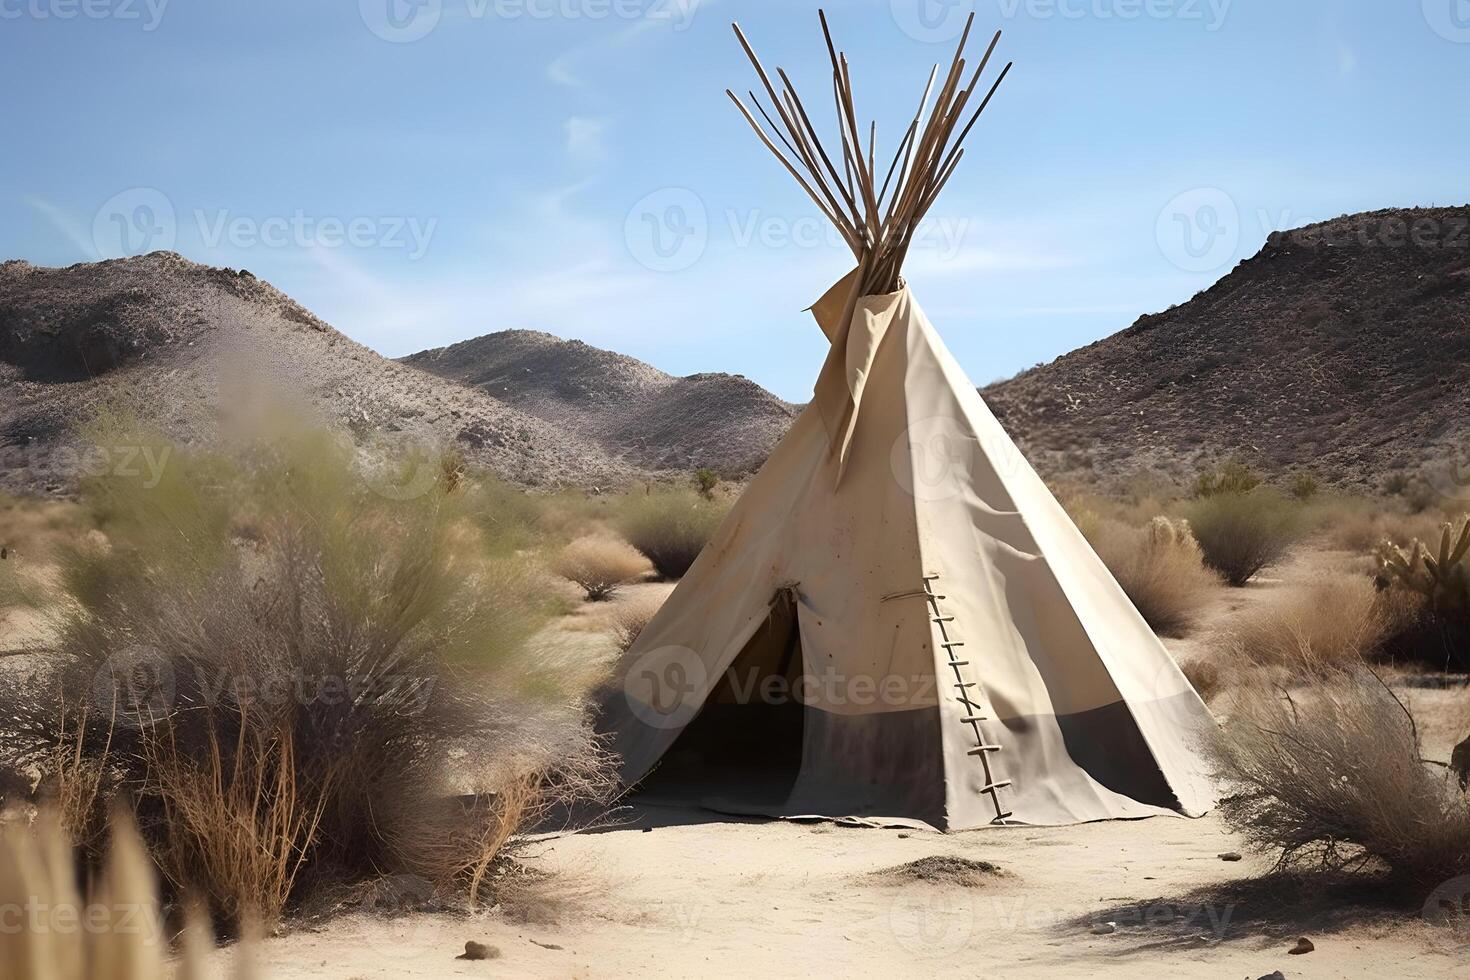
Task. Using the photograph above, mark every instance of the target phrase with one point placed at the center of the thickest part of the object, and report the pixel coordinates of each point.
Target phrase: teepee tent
(897, 620)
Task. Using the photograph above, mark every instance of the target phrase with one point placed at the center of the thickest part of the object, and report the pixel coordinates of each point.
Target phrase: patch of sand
(700, 896)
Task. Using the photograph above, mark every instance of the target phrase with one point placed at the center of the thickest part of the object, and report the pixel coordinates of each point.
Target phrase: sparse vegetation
(1205, 675)
(671, 527)
(274, 666)
(705, 481)
(1336, 620)
(1331, 778)
(1233, 476)
(599, 565)
(124, 936)
(1162, 570)
(1241, 533)
(1304, 486)
(1360, 525)
(629, 622)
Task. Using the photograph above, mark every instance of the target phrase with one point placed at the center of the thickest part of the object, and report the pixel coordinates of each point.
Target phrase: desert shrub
(31, 528)
(705, 481)
(629, 621)
(1422, 495)
(1335, 620)
(599, 565)
(1136, 505)
(1396, 483)
(1084, 514)
(671, 527)
(1233, 476)
(1360, 525)
(1162, 570)
(1303, 486)
(511, 519)
(1242, 533)
(1330, 778)
(274, 664)
(1205, 675)
(15, 590)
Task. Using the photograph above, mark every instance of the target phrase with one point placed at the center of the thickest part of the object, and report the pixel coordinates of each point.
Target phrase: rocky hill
(721, 421)
(1342, 348)
(185, 345)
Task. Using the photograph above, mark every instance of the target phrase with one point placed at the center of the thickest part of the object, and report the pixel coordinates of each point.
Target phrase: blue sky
(436, 169)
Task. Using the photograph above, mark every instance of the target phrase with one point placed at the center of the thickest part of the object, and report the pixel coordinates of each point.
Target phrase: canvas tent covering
(897, 620)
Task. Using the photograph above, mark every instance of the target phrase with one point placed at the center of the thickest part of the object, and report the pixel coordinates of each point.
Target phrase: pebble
(1105, 928)
(1303, 945)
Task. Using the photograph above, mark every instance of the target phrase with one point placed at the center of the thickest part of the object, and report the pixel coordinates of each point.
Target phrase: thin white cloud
(585, 139)
(65, 224)
(673, 16)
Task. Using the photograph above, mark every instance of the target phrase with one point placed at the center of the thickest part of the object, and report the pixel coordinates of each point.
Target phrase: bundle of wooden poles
(877, 221)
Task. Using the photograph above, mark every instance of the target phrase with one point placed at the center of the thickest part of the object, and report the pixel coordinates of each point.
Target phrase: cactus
(1164, 532)
(1442, 577)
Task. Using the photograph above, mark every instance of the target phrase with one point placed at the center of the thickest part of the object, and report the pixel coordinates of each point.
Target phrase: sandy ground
(674, 895)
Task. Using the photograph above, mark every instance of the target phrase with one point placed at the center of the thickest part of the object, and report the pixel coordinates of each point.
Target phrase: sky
(418, 172)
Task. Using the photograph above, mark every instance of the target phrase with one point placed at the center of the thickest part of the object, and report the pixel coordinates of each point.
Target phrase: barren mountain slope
(1342, 348)
(721, 421)
(183, 344)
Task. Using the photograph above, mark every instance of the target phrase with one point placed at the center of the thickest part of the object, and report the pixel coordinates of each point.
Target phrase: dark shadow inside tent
(744, 748)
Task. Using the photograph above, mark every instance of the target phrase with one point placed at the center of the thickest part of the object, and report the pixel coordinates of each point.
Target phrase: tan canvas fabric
(1091, 716)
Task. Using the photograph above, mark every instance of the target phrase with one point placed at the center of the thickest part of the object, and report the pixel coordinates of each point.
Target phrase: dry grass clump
(1330, 778)
(1360, 525)
(599, 566)
(670, 526)
(630, 620)
(1162, 570)
(1241, 533)
(15, 587)
(33, 528)
(1336, 620)
(115, 932)
(1205, 675)
(274, 665)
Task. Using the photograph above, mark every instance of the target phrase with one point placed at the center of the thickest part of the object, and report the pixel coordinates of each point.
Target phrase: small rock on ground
(479, 951)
